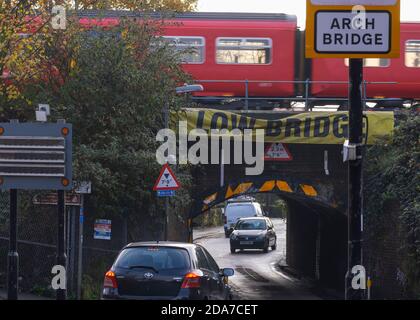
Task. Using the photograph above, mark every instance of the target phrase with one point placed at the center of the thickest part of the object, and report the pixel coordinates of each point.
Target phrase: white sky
(410, 9)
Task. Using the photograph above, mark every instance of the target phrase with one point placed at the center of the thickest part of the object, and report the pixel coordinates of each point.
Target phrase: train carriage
(395, 79)
(257, 60)
(238, 54)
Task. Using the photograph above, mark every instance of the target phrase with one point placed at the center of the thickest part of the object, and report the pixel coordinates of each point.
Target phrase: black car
(253, 233)
(166, 271)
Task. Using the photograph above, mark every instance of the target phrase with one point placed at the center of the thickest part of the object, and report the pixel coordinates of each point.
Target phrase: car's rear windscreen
(157, 258)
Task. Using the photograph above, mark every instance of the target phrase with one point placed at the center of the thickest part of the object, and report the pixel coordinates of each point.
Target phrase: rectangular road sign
(82, 187)
(334, 33)
(72, 199)
(354, 2)
(166, 193)
(344, 29)
(35, 156)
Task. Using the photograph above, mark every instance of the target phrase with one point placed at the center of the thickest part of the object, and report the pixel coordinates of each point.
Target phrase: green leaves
(114, 97)
(393, 178)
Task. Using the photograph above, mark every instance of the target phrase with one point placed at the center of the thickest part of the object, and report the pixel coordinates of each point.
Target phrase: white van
(237, 210)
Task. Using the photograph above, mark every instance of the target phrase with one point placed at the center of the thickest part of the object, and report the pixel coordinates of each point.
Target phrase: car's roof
(242, 203)
(254, 218)
(172, 244)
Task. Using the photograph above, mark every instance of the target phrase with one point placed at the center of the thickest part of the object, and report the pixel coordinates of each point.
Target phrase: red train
(261, 56)
(258, 60)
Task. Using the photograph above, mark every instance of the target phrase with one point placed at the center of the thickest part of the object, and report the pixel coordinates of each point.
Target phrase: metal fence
(37, 238)
(306, 97)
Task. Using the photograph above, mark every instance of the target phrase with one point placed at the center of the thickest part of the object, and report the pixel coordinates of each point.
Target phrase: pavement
(22, 296)
(258, 275)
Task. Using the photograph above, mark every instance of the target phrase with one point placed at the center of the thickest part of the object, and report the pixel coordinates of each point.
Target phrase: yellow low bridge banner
(308, 127)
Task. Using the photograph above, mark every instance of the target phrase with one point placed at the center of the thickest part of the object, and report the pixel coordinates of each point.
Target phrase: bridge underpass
(314, 183)
(316, 221)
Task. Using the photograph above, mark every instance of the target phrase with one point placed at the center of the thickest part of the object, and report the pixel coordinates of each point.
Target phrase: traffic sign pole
(13, 256)
(61, 243)
(166, 217)
(355, 191)
(165, 185)
(80, 251)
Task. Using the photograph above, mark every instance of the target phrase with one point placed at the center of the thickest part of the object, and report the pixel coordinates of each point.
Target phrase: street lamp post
(185, 89)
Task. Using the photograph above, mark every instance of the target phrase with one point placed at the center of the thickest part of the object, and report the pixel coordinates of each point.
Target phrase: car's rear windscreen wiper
(144, 267)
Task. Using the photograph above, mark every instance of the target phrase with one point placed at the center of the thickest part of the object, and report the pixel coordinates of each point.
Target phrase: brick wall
(383, 257)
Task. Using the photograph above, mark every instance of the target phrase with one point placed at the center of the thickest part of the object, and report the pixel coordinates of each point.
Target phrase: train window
(191, 48)
(373, 62)
(243, 50)
(412, 54)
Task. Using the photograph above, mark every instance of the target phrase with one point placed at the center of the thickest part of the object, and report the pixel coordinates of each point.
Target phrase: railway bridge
(314, 182)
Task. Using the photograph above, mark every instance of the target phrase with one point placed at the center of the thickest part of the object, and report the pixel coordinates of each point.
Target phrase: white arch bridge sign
(353, 28)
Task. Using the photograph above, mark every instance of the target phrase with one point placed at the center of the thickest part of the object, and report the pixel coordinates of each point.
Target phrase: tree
(393, 186)
(24, 30)
(23, 33)
(153, 5)
(113, 87)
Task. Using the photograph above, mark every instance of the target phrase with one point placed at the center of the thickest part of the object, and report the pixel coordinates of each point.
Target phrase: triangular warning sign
(166, 180)
(277, 152)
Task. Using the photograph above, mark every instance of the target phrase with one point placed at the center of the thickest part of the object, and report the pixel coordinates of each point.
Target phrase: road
(256, 273)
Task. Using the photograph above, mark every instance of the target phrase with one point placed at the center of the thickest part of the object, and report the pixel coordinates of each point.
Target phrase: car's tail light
(224, 219)
(192, 280)
(110, 284)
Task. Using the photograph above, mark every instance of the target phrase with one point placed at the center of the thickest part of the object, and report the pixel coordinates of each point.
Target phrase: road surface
(256, 273)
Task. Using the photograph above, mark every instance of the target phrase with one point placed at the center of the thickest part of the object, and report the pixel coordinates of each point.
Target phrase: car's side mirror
(227, 272)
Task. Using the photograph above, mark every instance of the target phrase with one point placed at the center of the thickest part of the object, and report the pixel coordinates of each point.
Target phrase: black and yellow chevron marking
(257, 187)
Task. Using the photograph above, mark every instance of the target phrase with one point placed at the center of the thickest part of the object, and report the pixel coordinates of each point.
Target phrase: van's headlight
(233, 236)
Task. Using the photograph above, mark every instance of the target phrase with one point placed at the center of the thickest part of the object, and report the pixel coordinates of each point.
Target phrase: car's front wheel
(232, 250)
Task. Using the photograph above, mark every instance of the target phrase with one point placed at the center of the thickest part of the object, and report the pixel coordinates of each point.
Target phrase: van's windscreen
(242, 210)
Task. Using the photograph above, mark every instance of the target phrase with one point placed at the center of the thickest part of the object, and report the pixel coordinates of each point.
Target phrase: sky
(410, 9)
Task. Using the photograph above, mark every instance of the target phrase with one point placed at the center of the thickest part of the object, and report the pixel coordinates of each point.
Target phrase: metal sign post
(166, 182)
(13, 256)
(80, 251)
(35, 156)
(61, 241)
(354, 29)
(355, 191)
(81, 188)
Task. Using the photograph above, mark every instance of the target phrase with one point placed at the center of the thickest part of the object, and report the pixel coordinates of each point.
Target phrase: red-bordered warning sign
(277, 152)
(166, 180)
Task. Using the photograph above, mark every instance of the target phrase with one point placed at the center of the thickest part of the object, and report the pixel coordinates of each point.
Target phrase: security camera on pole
(354, 29)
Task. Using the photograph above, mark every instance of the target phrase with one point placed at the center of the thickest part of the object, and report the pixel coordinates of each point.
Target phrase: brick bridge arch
(316, 239)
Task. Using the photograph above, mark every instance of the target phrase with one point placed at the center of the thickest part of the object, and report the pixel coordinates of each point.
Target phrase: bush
(393, 177)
